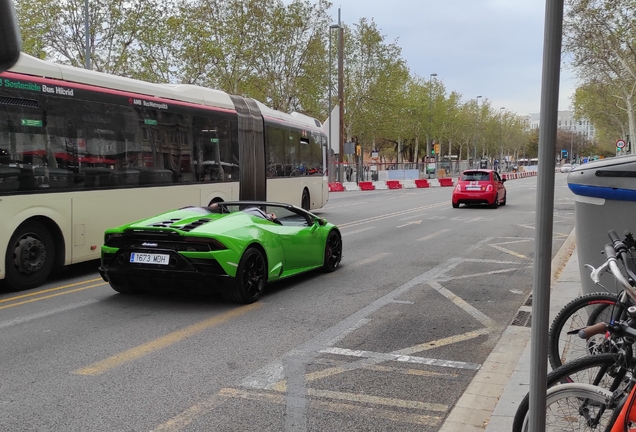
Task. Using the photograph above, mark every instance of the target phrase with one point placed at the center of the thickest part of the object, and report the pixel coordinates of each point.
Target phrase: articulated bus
(83, 151)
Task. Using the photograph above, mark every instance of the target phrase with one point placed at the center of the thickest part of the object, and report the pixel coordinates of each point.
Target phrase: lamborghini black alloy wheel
(250, 278)
(333, 251)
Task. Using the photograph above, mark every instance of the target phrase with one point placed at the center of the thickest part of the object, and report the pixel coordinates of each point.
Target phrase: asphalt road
(389, 342)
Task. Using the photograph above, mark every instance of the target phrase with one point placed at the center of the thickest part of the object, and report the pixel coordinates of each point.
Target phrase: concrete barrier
(366, 185)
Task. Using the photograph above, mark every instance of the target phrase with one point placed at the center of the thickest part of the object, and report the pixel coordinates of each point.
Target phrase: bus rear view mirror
(10, 40)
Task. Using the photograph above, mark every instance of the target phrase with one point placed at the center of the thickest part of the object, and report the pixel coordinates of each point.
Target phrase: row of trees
(600, 36)
(279, 54)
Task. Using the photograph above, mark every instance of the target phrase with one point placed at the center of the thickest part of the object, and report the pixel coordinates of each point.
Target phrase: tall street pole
(340, 94)
(330, 164)
(88, 47)
(476, 133)
(501, 110)
(430, 121)
(550, 76)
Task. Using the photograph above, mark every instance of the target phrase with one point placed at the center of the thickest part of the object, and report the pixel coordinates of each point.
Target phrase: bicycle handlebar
(592, 330)
(611, 250)
(621, 329)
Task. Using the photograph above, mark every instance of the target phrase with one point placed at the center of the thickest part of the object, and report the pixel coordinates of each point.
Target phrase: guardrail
(411, 184)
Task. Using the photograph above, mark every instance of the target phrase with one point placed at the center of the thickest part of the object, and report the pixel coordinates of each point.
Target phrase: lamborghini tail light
(213, 243)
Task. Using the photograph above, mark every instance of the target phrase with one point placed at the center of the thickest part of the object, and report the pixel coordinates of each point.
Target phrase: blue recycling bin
(604, 199)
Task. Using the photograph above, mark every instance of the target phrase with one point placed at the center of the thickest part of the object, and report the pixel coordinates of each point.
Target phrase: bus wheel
(30, 256)
(304, 202)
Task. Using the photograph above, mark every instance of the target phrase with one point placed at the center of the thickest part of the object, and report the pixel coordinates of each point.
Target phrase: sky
(488, 48)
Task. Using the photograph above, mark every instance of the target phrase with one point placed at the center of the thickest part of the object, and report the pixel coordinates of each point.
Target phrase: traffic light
(358, 147)
(437, 149)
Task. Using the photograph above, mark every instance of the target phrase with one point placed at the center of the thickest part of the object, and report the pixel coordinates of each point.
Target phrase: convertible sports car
(234, 247)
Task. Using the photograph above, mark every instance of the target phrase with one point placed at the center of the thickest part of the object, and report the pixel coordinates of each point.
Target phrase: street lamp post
(430, 121)
(476, 134)
(501, 137)
(87, 63)
(329, 161)
(340, 96)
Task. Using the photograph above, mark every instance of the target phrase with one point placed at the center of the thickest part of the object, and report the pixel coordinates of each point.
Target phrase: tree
(600, 35)
(375, 82)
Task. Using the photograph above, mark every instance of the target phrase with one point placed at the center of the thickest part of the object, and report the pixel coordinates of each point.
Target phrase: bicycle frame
(627, 415)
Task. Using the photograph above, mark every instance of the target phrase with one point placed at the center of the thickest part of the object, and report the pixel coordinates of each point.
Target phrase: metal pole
(430, 121)
(340, 94)
(329, 158)
(88, 47)
(545, 207)
(501, 138)
(476, 134)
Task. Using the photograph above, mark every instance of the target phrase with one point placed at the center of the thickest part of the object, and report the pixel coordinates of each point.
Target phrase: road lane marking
(347, 332)
(442, 342)
(52, 295)
(435, 234)
(49, 290)
(369, 260)
(488, 273)
(411, 217)
(206, 406)
(377, 400)
(186, 417)
(402, 358)
(463, 304)
(508, 251)
(417, 222)
(335, 370)
(348, 233)
(389, 215)
(272, 373)
(46, 313)
(137, 352)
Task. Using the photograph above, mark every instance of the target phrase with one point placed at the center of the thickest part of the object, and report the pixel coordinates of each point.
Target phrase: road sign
(620, 143)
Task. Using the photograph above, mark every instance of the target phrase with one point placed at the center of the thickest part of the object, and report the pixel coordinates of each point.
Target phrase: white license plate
(473, 188)
(149, 258)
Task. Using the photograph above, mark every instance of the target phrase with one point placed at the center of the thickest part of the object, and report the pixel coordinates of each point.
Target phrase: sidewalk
(490, 401)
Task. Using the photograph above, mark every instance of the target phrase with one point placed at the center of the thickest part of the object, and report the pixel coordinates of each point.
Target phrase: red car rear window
(475, 176)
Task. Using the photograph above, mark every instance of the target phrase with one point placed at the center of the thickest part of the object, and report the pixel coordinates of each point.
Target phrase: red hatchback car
(480, 186)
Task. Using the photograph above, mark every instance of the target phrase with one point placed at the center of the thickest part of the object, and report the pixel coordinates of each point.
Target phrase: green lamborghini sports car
(233, 247)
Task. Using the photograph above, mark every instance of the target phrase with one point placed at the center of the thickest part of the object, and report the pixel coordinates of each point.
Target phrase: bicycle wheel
(609, 371)
(576, 407)
(575, 315)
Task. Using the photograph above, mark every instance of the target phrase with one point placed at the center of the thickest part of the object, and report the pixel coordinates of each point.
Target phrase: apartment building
(566, 121)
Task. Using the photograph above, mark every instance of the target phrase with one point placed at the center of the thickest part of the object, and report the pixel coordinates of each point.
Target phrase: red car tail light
(489, 188)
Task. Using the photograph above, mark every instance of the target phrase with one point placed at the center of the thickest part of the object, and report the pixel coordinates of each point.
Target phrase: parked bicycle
(563, 343)
(596, 384)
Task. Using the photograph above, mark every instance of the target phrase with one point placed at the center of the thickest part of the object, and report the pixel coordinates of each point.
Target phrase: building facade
(567, 122)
